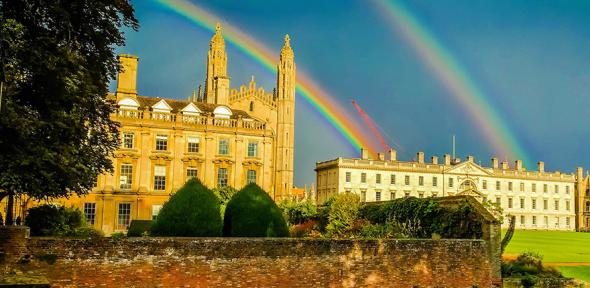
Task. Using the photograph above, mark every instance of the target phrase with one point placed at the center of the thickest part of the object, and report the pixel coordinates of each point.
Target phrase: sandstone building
(223, 136)
(539, 199)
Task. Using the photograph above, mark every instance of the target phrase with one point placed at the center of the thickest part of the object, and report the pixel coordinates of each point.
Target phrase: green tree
(57, 60)
(342, 212)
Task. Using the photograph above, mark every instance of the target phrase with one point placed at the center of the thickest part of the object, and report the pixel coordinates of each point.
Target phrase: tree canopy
(57, 60)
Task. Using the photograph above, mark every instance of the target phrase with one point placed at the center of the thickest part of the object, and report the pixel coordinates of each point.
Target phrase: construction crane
(372, 126)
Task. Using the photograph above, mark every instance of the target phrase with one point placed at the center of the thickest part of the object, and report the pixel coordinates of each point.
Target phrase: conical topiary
(252, 213)
(193, 211)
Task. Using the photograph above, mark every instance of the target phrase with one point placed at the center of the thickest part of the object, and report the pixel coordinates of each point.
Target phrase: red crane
(372, 126)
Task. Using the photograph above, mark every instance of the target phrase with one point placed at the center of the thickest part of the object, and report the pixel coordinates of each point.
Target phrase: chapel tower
(217, 83)
(285, 122)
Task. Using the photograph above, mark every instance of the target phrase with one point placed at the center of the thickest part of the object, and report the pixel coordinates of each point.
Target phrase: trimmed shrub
(252, 213)
(343, 210)
(224, 194)
(52, 220)
(193, 211)
(139, 228)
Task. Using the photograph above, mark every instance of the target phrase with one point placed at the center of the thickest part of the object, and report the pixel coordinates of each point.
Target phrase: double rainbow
(454, 77)
(330, 109)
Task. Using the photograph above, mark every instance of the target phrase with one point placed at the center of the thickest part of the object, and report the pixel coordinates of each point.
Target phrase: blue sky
(531, 58)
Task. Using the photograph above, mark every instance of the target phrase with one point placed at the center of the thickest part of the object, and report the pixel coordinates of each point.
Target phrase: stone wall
(270, 262)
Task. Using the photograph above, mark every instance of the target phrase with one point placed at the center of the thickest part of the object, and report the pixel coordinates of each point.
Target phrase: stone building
(223, 136)
(539, 199)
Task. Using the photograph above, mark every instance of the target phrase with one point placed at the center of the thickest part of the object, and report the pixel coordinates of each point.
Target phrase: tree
(57, 60)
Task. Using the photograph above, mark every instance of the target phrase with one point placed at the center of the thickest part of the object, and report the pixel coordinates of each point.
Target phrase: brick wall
(247, 262)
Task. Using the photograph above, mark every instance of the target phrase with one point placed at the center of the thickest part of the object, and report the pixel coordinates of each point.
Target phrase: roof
(177, 106)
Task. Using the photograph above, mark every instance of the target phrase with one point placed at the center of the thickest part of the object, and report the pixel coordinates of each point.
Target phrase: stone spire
(217, 83)
(287, 51)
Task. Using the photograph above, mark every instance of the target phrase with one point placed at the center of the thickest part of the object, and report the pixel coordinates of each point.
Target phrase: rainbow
(331, 110)
(454, 78)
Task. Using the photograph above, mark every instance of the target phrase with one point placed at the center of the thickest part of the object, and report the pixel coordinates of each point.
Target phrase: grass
(557, 248)
(577, 272)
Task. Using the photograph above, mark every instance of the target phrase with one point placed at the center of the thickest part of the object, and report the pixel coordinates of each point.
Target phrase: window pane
(223, 147)
(127, 140)
(191, 172)
(221, 177)
(251, 176)
(161, 142)
(126, 176)
(90, 212)
(155, 211)
(159, 177)
(193, 144)
(252, 149)
(124, 215)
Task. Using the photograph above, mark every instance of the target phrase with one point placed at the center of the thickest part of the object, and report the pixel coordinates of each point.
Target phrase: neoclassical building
(223, 136)
(539, 199)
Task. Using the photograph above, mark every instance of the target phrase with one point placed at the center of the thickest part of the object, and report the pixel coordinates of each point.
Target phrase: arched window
(467, 185)
(251, 106)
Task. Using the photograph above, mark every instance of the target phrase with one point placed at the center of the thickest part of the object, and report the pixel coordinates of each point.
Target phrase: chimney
(518, 165)
(381, 156)
(541, 166)
(127, 77)
(495, 163)
(434, 160)
(580, 174)
(469, 158)
(447, 159)
(420, 156)
(504, 165)
(392, 155)
(364, 154)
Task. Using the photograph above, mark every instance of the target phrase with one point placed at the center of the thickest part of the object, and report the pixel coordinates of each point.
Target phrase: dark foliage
(51, 220)
(139, 228)
(193, 211)
(57, 60)
(529, 268)
(427, 216)
(299, 212)
(252, 213)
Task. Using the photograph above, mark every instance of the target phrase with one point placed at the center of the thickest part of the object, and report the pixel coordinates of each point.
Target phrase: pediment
(191, 109)
(468, 168)
(128, 102)
(162, 106)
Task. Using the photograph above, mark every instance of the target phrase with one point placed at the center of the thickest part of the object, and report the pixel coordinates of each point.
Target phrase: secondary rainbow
(331, 110)
(454, 78)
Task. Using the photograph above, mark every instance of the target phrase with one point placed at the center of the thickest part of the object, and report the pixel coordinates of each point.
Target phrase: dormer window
(222, 112)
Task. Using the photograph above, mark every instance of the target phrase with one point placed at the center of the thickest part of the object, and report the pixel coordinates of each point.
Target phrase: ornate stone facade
(539, 199)
(224, 137)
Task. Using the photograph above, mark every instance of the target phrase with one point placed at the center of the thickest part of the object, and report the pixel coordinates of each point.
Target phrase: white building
(538, 199)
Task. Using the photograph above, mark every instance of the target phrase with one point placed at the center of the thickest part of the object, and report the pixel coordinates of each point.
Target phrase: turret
(285, 121)
(217, 83)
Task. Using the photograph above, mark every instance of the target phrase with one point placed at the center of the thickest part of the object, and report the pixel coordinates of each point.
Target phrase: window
(450, 182)
(567, 189)
(155, 211)
(126, 176)
(392, 195)
(509, 186)
(498, 200)
(557, 221)
(534, 220)
(567, 205)
(363, 177)
(378, 196)
(522, 220)
(484, 184)
(363, 196)
(221, 177)
(567, 221)
(128, 140)
(407, 194)
(545, 205)
(90, 212)
(556, 189)
(378, 178)
(534, 187)
(124, 215)
(521, 187)
(348, 176)
(545, 188)
(434, 181)
(497, 185)
(421, 195)
(434, 194)
(223, 147)
(509, 202)
(251, 176)
(421, 180)
(556, 204)
(392, 179)
(192, 172)
(251, 106)
(159, 177)
(546, 220)
(252, 149)
(521, 203)
(534, 204)
(193, 144)
(161, 142)
(407, 180)
(95, 183)
(587, 206)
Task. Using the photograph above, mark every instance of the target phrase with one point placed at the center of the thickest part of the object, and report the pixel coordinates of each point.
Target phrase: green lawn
(577, 272)
(555, 246)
